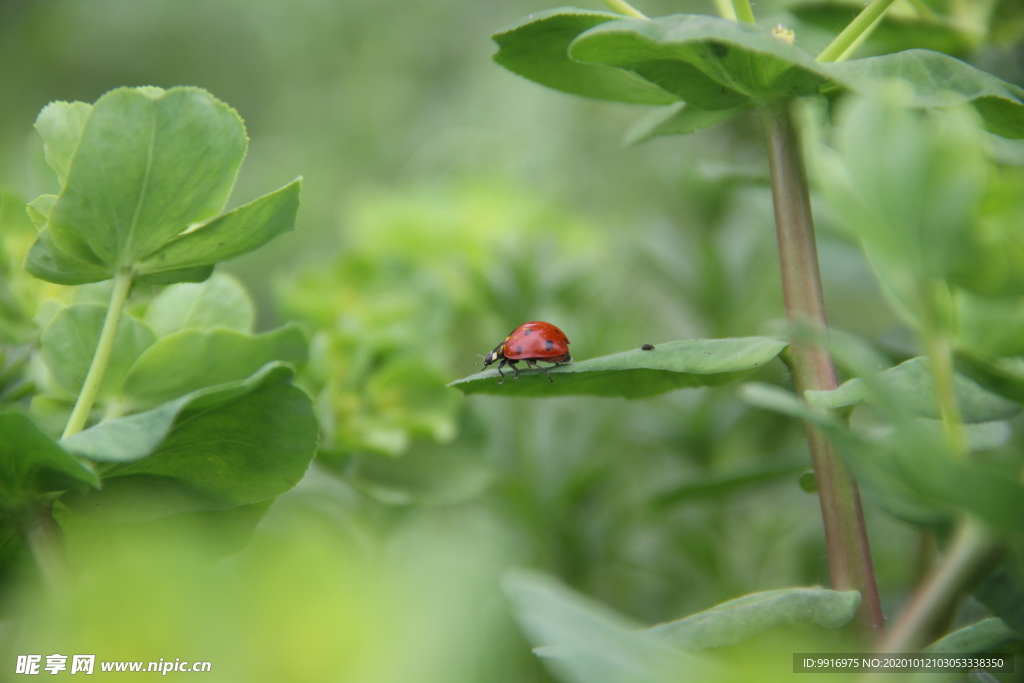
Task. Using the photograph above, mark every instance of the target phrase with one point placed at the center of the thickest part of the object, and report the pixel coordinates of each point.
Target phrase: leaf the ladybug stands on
(638, 373)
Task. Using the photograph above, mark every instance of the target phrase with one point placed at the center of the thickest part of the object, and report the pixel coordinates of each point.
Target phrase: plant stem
(122, 284)
(743, 11)
(937, 318)
(851, 33)
(940, 353)
(725, 9)
(623, 7)
(845, 534)
(44, 540)
(970, 549)
(855, 45)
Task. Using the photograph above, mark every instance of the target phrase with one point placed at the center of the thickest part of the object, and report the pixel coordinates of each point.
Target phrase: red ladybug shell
(536, 341)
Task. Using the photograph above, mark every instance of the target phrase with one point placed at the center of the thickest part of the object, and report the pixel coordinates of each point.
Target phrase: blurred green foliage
(446, 201)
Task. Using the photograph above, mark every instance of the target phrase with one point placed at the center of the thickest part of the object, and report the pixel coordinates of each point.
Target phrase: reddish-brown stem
(845, 536)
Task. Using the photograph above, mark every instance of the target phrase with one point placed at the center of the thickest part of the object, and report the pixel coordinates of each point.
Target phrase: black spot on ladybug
(647, 347)
(519, 349)
(548, 344)
(527, 331)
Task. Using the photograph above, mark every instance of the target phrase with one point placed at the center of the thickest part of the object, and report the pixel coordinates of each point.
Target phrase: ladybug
(531, 342)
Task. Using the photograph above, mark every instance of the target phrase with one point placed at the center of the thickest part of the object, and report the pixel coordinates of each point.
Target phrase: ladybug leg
(512, 364)
(500, 366)
(533, 364)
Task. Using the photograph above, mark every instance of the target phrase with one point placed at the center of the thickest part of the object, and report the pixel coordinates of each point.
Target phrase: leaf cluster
(188, 409)
(714, 68)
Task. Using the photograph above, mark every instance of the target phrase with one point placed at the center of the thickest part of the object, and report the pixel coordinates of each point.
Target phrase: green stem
(623, 7)
(940, 353)
(44, 540)
(122, 284)
(851, 33)
(845, 534)
(725, 9)
(970, 550)
(743, 11)
(855, 45)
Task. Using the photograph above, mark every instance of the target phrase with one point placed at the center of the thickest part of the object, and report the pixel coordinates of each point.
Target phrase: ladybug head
(493, 357)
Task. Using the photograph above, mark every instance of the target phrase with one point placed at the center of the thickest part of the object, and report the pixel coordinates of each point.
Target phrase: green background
(445, 201)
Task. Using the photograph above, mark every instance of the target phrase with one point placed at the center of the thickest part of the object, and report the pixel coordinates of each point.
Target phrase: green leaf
(876, 424)
(217, 448)
(984, 636)
(221, 301)
(171, 277)
(910, 186)
(709, 62)
(910, 471)
(911, 386)
(46, 261)
(192, 359)
(586, 642)
(987, 635)
(677, 119)
(537, 48)
(69, 341)
(737, 620)
(875, 475)
(1002, 591)
(988, 326)
(50, 413)
(31, 463)
(230, 235)
(39, 209)
(130, 438)
(933, 79)
(1002, 376)
(637, 373)
(60, 125)
(160, 161)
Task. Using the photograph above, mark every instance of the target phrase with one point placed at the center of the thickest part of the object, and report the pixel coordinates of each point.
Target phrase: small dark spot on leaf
(647, 347)
(289, 481)
(719, 49)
